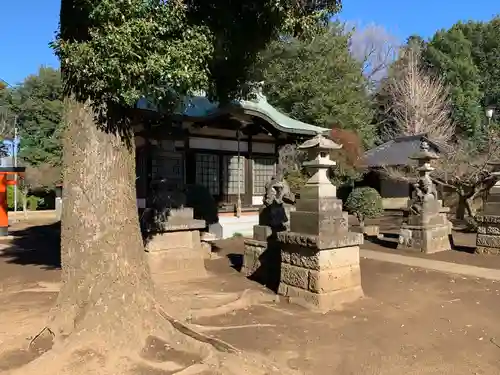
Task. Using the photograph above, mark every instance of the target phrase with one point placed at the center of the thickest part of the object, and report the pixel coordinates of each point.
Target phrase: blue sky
(28, 26)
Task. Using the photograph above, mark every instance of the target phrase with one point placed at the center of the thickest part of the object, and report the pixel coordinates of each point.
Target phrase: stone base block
(261, 232)
(321, 302)
(176, 265)
(371, 230)
(176, 256)
(427, 240)
(187, 239)
(251, 256)
(262, 262)
(320, 279)
(488, 239)
(319, 222)
(323, 281)
(487, 250)
(320, 242)
(206, 248)
(320, 260)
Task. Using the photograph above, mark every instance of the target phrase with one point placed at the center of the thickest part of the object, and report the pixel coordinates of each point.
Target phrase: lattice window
(263, 170)
(207, 172)
(168, 166)
(232, 168)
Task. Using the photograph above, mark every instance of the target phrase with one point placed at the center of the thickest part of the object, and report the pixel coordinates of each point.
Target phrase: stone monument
(427, 228)
(173, 245)
(262, 255)
(488, 231)
(320, 257)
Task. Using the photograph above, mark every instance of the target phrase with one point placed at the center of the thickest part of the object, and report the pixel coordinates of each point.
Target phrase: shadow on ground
(236, 261)
(35, 245)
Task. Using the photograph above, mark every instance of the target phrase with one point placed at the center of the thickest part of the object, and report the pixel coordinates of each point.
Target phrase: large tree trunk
(106, 309)
(107, 288)
(469, 206)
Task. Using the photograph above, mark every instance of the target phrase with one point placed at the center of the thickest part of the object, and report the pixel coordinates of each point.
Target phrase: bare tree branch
(419, 102)
(464, 168)
(375, 48)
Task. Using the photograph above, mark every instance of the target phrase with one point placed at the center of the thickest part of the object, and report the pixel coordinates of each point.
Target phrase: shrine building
(232, 151)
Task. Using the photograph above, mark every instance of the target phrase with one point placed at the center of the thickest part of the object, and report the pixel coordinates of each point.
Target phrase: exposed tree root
(187, 330)
(36, 337)
(91, 357)
(202, 328)
(248, 298)
(86, 353)
(195, 369)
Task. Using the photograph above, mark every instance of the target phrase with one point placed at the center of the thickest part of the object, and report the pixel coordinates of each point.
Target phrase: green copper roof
(259, 107)
(198, 106)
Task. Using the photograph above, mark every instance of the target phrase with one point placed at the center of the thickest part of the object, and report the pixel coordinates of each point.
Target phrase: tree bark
(25, 202)
(465, 206)
(361, 221)
(107, 288)
(460, 214)
(469, 206)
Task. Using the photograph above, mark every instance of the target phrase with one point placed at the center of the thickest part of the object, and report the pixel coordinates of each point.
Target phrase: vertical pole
(15, 164)
(238, 203)
(4, 218)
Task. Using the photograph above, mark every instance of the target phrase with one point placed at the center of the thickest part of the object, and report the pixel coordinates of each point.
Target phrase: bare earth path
(412, 321)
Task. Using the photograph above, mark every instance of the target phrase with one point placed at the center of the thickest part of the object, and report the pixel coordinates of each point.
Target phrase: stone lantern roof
(425, 154)
(320, 142)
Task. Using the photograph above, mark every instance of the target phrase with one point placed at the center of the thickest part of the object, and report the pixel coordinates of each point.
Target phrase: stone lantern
(319, 256)
(424, 158)
(318, 151)
(427, 228)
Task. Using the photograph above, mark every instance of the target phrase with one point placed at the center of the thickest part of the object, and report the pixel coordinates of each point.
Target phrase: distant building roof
(398, 150)
(199, 106)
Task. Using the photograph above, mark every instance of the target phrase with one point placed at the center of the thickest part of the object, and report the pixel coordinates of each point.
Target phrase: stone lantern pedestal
(488, 231)
(175, 251)
(427, 228)
(320, 257)
(262, 255)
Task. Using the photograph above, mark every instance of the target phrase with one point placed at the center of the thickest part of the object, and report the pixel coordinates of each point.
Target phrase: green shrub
(364, 203)
(10, 198)
(296, 180)
(33, 202)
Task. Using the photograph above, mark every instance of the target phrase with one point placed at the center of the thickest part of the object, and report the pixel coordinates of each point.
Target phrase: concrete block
(261, 232)
(332, 280)
(320, 302)
(174, 240)
(322, 259)
(294, 276)
(173, 265)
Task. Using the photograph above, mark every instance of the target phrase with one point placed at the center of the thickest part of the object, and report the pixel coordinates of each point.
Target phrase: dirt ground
(412, 321)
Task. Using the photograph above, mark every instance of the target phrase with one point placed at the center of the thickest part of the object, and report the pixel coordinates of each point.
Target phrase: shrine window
(264, 169)
(234, 171)
(207, 172)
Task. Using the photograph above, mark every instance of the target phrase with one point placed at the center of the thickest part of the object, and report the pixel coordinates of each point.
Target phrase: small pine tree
(364, 203)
